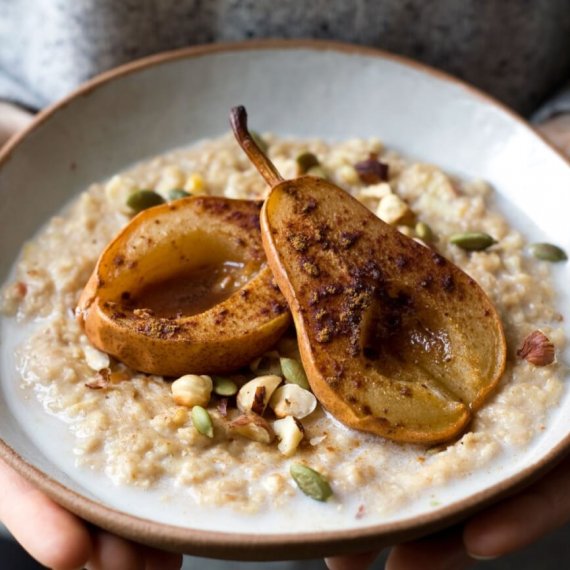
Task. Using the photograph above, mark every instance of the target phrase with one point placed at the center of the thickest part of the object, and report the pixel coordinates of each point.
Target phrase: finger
(160, 560)
(111, 552)
(443, 551)
(53, 536)
(521, 520)
(352, 562)
(557, 131)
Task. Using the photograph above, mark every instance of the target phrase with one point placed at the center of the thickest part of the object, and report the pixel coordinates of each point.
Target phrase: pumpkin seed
(424, 232)
(143, 199)
(259, 141)
(294, 372)
(472, 241)
(202, 421)
(306, 161)
(547, 252)
(177, 193)
(224, 386)
(311, 482)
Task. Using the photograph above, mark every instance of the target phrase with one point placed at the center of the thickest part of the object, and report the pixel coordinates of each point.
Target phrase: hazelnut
(252, 427)
(192, 390)
(537, 349)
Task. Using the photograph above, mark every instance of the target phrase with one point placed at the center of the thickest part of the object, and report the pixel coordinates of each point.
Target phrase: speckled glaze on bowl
(322, 89)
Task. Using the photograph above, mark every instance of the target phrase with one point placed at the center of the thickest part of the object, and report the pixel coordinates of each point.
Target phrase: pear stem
(238, 121)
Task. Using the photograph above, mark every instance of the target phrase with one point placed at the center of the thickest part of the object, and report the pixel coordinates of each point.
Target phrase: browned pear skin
(180, 236)
(395, 339)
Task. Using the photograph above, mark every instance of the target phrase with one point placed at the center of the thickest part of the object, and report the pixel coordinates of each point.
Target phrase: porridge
(138, 428)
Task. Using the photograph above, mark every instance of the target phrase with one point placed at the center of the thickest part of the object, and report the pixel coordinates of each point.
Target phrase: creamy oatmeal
(127, 424)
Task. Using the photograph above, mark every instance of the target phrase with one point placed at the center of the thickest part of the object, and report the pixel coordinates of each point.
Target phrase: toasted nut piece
(255, 394)
(253, 427)
(192, 390)
(392, 209)
(195, 184)
(380, 190)
(95, 359)
(290, 433)
(292, 400)
(537, 349)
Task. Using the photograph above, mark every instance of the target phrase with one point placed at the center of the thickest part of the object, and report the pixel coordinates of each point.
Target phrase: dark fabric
(518, 50)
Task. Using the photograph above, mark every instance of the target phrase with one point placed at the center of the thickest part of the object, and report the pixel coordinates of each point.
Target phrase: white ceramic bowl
(298, 88)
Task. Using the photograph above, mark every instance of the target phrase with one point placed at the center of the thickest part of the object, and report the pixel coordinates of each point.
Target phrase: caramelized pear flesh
(183, 288)
(395, 339)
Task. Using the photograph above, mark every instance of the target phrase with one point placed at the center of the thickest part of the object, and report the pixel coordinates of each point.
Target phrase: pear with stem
(395, 339)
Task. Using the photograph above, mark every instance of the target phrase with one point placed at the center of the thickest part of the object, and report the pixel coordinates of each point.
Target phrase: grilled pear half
(185, 287)
(395, 339)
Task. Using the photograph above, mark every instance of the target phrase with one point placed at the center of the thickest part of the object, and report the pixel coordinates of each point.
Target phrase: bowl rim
(251, 546)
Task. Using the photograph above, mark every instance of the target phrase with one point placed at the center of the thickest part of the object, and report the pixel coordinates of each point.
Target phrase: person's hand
(506, 527)
(60, 540)
(557, 131)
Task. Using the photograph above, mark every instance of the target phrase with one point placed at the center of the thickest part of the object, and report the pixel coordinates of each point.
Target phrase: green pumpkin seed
(311, 482)
(259, 141)
(177, 193)
(143, 199)
(224, 386)
(294, 372)
(472, 241)
(202, 421)
(547, 252)
(424, 232)
(306, 161)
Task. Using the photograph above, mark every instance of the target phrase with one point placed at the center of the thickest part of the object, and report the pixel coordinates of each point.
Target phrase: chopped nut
(101, 381)
(379, 191)
(195, 184)
(371, 170)
(253, 427)
(192, 390)
(95, 359)
(537, 349)
(290, 433)
(223, 407)
(292, 400)
(255, 394)
(392, 209)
